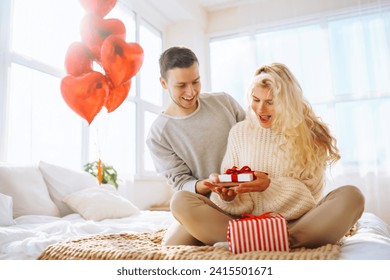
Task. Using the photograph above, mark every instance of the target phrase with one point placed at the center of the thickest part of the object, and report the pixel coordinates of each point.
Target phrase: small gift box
(267, 232)
(245, 174)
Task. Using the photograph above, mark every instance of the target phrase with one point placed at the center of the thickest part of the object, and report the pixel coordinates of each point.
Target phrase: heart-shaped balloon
(117, 95)
(120, 60)
(85, 94)
(98, 7)
(94, 30)
(78, 59)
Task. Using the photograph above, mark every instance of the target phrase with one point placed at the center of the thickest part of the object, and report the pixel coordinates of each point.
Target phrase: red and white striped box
(267, 232)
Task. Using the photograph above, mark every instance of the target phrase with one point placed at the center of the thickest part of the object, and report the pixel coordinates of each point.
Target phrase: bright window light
(151, 41)
(43, 29)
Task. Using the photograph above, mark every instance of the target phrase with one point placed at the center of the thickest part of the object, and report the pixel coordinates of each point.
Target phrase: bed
(46, 208)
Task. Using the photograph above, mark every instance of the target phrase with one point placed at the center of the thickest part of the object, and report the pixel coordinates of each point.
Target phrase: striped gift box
(267, 232)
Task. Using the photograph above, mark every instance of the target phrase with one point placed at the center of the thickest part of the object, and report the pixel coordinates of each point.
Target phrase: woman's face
(262, 105)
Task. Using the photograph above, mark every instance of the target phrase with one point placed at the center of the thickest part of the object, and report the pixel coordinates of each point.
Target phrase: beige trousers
(200, 221)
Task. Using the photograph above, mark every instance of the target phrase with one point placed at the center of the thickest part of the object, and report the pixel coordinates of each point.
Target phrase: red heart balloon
(99, 7)
(94, 30)
(78, 59)
(120, 60)
(117, 95)
(85, 94)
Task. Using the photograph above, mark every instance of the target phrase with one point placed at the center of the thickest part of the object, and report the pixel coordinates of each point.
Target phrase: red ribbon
(234, 172)
(248, 216)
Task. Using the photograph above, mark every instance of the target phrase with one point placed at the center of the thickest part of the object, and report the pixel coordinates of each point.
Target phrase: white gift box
(243, 177)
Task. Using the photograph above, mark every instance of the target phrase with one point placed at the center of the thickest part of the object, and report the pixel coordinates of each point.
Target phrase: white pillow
(28, 190)
(62, 181)
(6, 212)
(99, 203)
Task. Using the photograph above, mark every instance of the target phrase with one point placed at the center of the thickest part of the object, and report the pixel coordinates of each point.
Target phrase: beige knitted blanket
(147, 246)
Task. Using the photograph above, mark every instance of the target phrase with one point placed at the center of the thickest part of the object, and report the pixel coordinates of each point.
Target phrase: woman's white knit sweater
(259, 148)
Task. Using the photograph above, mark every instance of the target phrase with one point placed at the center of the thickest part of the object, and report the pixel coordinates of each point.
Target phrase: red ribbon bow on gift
(234, 172)
(270, 214)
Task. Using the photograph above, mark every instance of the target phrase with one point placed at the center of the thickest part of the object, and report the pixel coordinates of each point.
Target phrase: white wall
(191, 33)
(189, 29)
(147, 194)
(266, 14)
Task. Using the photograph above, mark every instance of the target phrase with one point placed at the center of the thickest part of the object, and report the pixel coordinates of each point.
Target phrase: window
(230, 80)
(37, 123)
(33, 113)
(343, 65)
(150, 38)
(361, 47)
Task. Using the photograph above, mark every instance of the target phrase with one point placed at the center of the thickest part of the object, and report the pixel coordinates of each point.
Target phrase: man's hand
(201, 188)
(227, 194)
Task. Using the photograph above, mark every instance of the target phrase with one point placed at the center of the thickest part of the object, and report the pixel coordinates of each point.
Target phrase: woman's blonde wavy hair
(303, 134)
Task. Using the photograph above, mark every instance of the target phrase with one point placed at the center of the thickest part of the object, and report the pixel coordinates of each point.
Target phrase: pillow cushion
(62, 181)
(6, 212)
(99, 203)
(28, 191)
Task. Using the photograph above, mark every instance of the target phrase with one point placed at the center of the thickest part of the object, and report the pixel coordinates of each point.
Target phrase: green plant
(109, 174)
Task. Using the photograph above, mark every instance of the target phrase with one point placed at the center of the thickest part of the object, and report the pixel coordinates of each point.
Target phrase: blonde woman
(289, 148)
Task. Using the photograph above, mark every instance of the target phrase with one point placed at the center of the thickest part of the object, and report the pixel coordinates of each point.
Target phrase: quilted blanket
(147, 246)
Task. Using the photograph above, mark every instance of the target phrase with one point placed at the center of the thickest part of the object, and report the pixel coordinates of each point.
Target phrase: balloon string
(99, 163)
(97, 139)
(100, 172)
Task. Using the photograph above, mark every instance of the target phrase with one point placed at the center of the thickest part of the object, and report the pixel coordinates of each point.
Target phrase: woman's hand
(227, 194)
(259, 184)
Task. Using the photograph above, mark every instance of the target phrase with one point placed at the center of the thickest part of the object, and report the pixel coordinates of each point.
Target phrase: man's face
(183, 86)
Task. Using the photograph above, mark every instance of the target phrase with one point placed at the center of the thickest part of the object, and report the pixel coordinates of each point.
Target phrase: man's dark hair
(176, 57)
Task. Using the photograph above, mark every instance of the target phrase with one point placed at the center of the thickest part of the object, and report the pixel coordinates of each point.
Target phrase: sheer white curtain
(342, 60)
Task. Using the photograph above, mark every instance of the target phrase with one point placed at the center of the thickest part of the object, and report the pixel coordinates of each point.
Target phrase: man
(188, 140)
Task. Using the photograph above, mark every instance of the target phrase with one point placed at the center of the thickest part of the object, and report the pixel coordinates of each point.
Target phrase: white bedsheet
(371, 241)
(32, 234)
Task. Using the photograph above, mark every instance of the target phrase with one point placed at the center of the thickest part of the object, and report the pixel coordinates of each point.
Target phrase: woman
(290, 148)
